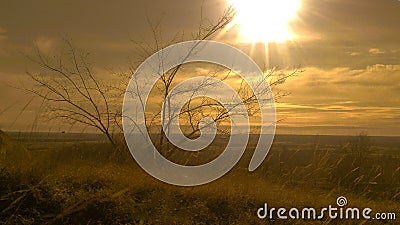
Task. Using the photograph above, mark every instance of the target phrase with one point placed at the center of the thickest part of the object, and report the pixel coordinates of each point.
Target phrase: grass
(82, 183)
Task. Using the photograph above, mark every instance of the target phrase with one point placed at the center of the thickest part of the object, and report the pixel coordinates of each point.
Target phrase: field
(49, 178)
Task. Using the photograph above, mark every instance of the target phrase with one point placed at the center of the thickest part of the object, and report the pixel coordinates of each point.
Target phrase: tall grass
(83, 183)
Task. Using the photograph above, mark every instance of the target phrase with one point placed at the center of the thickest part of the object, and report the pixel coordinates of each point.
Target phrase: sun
(264, 20)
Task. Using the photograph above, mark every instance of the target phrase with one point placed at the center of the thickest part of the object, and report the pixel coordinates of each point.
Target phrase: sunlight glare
(264, 20)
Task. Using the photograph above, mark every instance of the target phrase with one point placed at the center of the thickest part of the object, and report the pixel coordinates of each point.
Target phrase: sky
(348, 50)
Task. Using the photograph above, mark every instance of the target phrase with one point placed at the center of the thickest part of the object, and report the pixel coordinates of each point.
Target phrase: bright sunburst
(264, 20)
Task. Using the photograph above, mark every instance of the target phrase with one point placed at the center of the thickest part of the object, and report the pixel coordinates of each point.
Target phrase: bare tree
(73, 92)
(196, 109)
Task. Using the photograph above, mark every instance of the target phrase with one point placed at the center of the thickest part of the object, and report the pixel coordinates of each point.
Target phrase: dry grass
(83, 185)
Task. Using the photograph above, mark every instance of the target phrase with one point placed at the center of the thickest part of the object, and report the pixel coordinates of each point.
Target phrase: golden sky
(349, 51)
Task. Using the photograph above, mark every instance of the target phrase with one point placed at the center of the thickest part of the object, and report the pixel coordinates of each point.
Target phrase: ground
(71, 179)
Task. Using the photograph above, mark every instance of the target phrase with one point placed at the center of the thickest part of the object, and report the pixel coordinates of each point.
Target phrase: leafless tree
(196, 109)
(72, 90)
(75, 94)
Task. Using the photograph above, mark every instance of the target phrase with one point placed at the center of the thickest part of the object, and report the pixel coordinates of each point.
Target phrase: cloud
(344, 97)
(3, 37)
(3, 33)
(354, 53)
(45, 44)
(376, 51)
